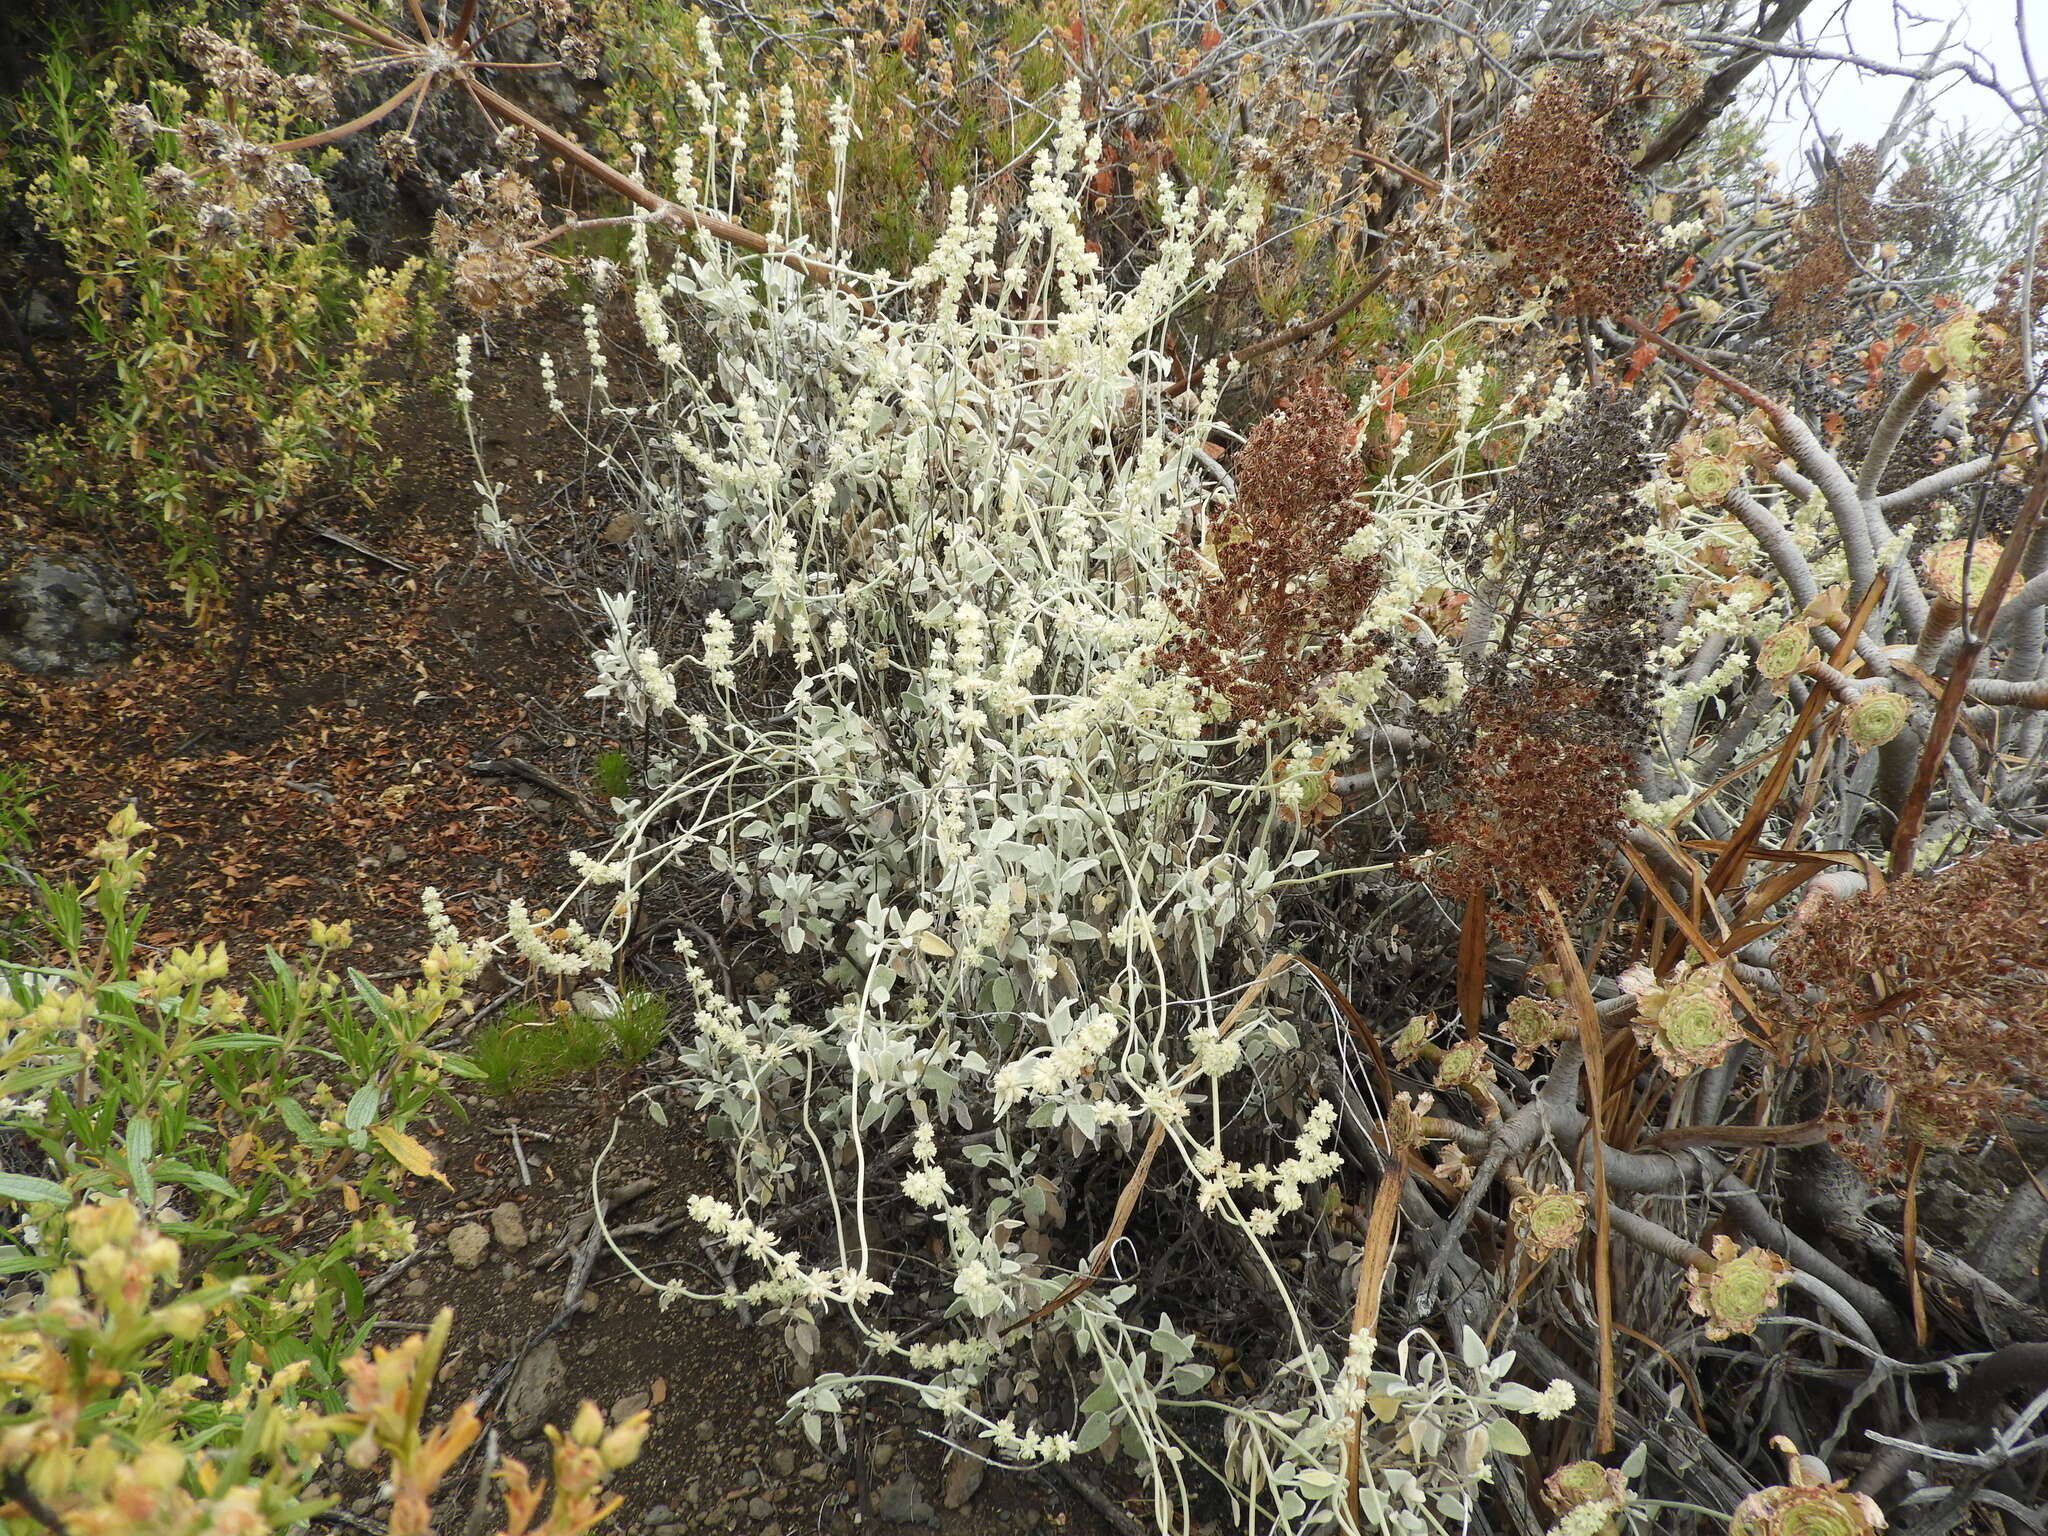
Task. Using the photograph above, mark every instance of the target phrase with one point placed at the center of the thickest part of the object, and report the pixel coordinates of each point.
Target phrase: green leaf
(296, 1120)
(141, 1145)
(175, 1172)
(351, 1287)
(26, 1189)
(362, 1107)
(1093, 1432)
(242, 1041)
(1507, 1438)
(1316, 1483)
(380, 1008)
(1103, 1398)
(28, 1079)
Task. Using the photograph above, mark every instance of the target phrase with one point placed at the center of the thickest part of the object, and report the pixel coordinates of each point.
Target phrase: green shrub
(17, 808)
(237, 341)
(613, 774)
(231, 1115)
(111, 1440)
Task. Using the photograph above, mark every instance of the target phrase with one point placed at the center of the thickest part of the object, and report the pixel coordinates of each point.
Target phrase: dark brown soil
(720, 1456)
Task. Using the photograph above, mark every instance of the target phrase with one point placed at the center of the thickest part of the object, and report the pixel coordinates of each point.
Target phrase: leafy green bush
(182, 1366)
(613, 772)
(238, 342)
(110, 1437)
(230, 1115)
(18, 794)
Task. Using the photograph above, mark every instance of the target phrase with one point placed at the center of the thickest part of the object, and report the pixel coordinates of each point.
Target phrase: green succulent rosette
(1875, 718)
(1688, 1022)
(1785, 652)
(1462, 1066)
(1739, 1290)
(1944, 566)
(1806, 1512)
(1532, 1024)
(1548, 1221)
(1710, 480)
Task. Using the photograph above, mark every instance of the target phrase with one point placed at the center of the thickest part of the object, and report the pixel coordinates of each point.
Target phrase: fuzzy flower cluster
(790, 1278)
(1314, 1159)
(1052, 1072)
(569, 950)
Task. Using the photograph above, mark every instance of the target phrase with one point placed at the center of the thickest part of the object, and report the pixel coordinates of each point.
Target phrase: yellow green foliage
(237, 340)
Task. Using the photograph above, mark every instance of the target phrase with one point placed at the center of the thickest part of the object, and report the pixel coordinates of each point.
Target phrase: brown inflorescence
(1831, 239)
(1534, 795)
(1938, 989)
(1555, 199)
(1266, 609)
(1541, 750)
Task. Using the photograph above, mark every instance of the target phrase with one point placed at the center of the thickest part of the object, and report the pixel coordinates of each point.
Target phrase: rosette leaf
(1876, 717)
(1739, 1290)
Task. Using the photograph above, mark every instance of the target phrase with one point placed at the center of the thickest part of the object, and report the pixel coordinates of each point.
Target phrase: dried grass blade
(1725, 870)
(1709, 950)
(1593, 1049)
(1472, 965)
(1916, 1153)
(1365, 1306)
(1976, 635)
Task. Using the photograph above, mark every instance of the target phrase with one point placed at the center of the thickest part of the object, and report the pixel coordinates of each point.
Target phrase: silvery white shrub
(927, 750)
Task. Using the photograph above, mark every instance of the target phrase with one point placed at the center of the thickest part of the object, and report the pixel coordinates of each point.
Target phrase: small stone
(466, 1244)
(706, 1431)
(783, 1461)
(535, 1386)
(964, 1475)
(61, 614)
(904, 1503)
(759, 1509)
(883, 1454)
(395, 853)
(693, 1493)
(42, 319)
(816, 1472)
(751, 1478)
(508, 1226)
(586, 1349)
(661, 1514)
(627, 1406)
